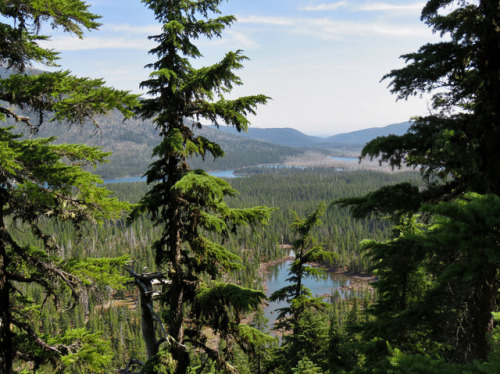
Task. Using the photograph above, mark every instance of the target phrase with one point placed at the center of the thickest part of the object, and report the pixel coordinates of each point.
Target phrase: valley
(131, 143)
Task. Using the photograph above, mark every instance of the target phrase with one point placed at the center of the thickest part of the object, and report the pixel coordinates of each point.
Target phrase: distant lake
(124, 180)
(224, 174)
(275, 278)
(279, 166)
(219, 174)
(344, 159)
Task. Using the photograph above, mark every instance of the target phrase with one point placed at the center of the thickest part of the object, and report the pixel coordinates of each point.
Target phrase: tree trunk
(179, 351)
(472, 332)
(148, 322)
(6, 352)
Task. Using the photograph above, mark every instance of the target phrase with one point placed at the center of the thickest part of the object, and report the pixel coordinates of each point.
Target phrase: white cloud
(325, 28)
(331, 6)
(148, 29)
(111, 36)
(232, 38)
(242, 40)
(73, 44)
(385, 7)
(328, 29)
(368, 7)
(263, 20)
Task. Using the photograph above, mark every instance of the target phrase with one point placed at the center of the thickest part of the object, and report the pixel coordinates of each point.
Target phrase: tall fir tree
(186, 203)
(304, 330)
(438, 296)
(41, 181)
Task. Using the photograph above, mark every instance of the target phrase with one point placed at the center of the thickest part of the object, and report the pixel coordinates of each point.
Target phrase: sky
(320, 61)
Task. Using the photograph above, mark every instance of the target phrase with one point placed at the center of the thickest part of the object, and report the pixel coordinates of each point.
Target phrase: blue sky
(321, 61)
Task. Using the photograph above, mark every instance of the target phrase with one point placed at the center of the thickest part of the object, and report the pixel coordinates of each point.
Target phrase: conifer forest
(167, 275)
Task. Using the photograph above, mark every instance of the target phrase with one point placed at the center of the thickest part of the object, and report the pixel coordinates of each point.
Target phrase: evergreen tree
(307, 333)
(306, 366)
(188, 203)
(438, 298)
(41, 181)
(336, 341)
(296, 294)
(262, 350)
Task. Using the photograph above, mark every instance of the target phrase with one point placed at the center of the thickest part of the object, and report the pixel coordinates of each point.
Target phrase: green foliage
(217, 299)
(58, 96)
(187, 204)
(438, 275)
(254, 336)
(308, 333)
(41, 181)
(161, 363)
(306, 366)
(298, 296)
(119, 321)
(34, 192)
(420, 364)
(87, 353)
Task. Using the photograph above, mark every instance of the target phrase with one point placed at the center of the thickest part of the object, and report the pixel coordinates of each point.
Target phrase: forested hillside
(281, 136)
(132, 141)
(361, 137)
(114, 313)
(352, 141)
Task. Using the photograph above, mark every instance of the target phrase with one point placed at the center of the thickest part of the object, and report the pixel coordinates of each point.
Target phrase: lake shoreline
(263, 268)
(359, 280)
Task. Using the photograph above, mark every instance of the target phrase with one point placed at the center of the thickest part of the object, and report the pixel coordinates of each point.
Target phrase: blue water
(276, 276)
(224, 174)
(279, 166)
(345, 159)
(219, 174)
(125, 180)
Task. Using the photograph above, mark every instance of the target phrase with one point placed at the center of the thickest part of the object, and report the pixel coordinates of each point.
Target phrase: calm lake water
(275, 279)
(219, 174)
(279, 166)
(344, 159)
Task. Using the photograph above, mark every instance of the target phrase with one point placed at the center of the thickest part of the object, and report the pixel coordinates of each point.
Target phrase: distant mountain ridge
(132, 142)
(282, 136)
(294, 138)
(365, 135)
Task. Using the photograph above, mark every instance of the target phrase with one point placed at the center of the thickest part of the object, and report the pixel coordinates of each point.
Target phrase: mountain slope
(365, 135)
(132, 141)
(294, 138)
(281, 136)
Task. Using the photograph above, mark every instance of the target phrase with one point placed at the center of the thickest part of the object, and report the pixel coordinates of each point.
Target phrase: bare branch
(26, 120)
(132, 362)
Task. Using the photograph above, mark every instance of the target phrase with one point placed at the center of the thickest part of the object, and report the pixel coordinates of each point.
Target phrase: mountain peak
(294, 138)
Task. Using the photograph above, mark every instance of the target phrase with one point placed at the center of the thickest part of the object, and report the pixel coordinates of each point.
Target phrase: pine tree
(296, 294)
(305, 329)
(41, 181)
(306, 366)
(439, 297)
(336, 340)
(262, 349)
(186, 203)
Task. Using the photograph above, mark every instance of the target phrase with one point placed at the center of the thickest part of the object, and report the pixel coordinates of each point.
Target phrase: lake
(275, 278)
(344, 159)
(279, 166)
(219, 174)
